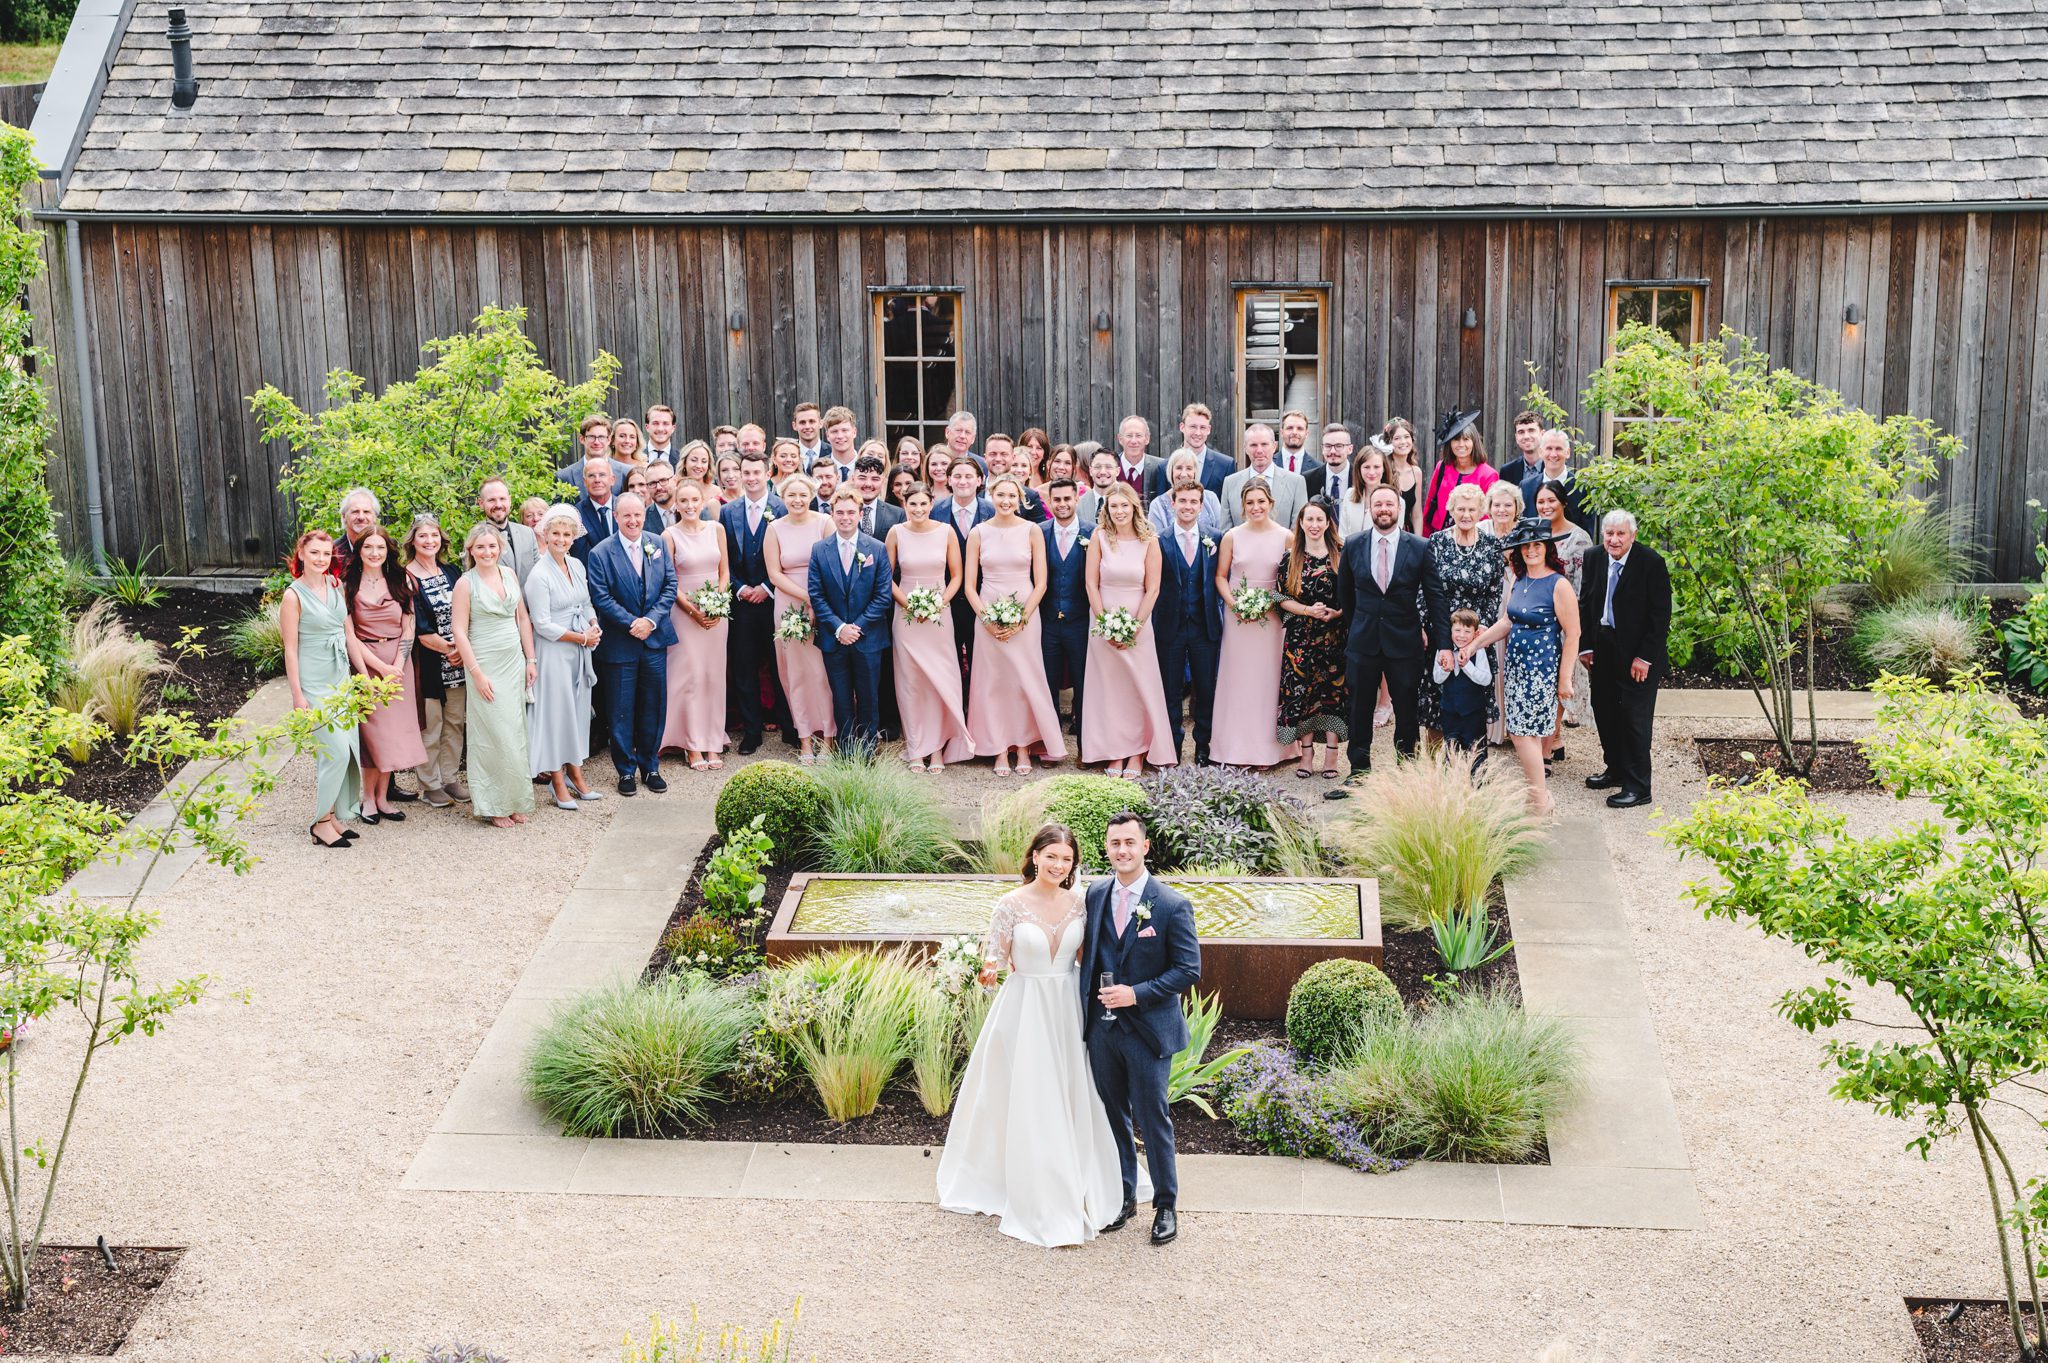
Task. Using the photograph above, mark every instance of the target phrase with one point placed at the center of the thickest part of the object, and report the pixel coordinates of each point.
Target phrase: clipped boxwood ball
(1332, 999)
(789, 801)
(1086, 804)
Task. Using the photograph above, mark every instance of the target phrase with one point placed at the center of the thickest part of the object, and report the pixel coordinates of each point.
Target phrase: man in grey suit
(521, 549)
(1290, 492)
(1134, 465)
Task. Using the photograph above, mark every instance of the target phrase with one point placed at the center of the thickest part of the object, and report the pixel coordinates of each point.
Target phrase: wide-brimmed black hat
(1454, 423)
(1532, 530)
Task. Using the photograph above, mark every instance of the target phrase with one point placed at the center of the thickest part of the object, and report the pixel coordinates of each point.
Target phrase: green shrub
(699, 943)
(879, 819)
(1922, 638)
(258, 639)
(631, 1056)
(31, 564)
(785, 798)
(1086, 804)
(1436, 836)
(1921, 559)
(733, 885)
(1473, 1078)
(1333, 999)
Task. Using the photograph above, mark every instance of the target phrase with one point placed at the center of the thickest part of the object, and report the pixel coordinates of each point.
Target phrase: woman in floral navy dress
(1314, 699)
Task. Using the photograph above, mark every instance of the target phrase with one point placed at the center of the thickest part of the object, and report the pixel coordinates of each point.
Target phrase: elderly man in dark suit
(1625, 621)
(1396, 614)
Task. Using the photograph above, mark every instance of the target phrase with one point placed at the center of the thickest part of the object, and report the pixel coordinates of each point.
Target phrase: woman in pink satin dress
(696, 661)
(1009, 704)
(924, 553)
(1123, 713)
(787, 549)
(380, 622)
(1249, 670)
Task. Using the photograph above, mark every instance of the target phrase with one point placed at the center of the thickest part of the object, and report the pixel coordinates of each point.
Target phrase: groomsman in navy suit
(1187, 623)
(851, 604)
(750, 648)
(633, 585)
(1063, 613)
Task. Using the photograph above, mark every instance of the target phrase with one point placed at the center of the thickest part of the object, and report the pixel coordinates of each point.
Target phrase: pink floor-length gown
(390, 733)
(1123, 711)
(696, 660)
(927, 661)
(802, 666)
(1249, 671)
(1009, 704)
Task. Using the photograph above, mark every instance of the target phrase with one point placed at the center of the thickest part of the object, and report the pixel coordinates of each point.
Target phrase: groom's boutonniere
(650, 548)
(1144, 911)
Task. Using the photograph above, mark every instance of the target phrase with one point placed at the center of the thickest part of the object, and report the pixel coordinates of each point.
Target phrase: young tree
(484, 407)
(60, 953)
(1950, 917)
(1761, 490)
(31, 564)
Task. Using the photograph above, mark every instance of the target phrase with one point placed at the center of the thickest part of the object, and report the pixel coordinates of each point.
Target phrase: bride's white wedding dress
(1030, 1141)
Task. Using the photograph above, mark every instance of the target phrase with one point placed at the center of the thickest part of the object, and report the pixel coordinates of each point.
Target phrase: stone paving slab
(1699, 703)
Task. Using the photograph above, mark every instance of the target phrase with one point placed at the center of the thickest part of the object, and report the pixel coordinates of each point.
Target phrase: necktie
(1613, 577)
(867, 518)
(753, 517)
(1066, 539)
(1123, 908)
(1187, 546)
(846, 556)
(606, 512)
(1382, 568)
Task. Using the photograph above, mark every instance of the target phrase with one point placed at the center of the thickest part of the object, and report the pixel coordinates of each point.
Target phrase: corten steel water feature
(1258, 933)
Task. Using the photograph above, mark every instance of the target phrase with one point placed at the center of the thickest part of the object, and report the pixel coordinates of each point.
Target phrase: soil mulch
(220, 682)
(1835, 666)
(92, 1315)
(1840, 766)
(1980, 1333)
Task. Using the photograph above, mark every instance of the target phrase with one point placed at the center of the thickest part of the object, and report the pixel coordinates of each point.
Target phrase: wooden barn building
(1360, 208)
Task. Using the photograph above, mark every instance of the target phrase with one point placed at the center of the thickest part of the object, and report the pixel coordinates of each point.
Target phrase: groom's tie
(1123, 908)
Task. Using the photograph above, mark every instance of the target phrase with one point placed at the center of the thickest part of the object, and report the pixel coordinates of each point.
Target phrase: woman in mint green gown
(312, 617)
(496, 642)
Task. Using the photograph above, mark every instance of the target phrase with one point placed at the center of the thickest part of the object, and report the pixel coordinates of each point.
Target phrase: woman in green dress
(312, 618)
(495, 639)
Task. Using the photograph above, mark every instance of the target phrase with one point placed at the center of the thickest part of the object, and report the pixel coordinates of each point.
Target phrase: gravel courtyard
(269, 1128)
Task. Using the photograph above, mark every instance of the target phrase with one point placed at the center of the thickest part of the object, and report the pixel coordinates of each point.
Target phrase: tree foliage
(31, 564)
(1762, 490)
(1949, 916)
(485, 406)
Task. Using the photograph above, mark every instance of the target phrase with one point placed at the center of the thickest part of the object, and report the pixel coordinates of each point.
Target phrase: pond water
(945, 908)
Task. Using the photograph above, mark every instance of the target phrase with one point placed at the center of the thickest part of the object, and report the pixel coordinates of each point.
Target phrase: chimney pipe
(184, 89)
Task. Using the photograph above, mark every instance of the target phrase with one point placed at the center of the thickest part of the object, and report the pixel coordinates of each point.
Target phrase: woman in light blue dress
(565, 630)
(313, 619)
(496, 642)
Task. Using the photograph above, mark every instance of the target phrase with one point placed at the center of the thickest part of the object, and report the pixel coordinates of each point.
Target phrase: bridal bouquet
(923, 604)
(1119, 625)
(958, 964)
(1005, 612)
(795, 625)
(1252, 604)
(714, 599)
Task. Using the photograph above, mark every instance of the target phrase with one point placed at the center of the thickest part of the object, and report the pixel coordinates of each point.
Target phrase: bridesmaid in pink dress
(696, 661)
(380, 626)
(1123, 713)
(1249, 672)
(787, 550)
(1009, 704)
(923, 553)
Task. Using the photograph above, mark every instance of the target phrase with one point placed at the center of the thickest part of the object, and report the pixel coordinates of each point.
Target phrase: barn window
(917, 361)
(1675, 306)
(1283, 345)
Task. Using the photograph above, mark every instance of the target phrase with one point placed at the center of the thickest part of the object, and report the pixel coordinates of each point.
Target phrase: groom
(1143, 934)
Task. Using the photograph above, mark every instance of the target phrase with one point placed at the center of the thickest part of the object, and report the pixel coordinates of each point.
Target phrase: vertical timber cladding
(731, 323)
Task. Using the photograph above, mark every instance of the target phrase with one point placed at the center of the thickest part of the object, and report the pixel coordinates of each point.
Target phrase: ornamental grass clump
(1924, 639)
(109, 672)
(631, 1057)
(258, 639)
(1922, 557)
(1009, 820)
(878, 819)
(846, 1019)
(1436, 836)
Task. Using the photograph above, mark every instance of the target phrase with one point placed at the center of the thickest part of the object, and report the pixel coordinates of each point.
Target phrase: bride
(1030, 1142)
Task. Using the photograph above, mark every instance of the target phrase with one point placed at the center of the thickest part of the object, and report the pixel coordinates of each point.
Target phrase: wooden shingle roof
(1053, 106)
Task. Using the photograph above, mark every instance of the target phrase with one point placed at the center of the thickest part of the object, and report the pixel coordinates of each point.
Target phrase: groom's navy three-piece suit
(1158, 956)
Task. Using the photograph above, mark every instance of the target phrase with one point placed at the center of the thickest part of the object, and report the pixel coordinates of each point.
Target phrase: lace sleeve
(1002, 930)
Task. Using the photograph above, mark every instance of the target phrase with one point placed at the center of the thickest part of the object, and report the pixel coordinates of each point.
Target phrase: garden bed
(1953, 1331)
(1835, 665)
(1839, 766)
(95, 1312)
(219, 684)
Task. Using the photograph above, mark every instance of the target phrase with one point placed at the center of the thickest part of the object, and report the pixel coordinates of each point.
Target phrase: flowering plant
(1119, 625)
(1253, 605)
(924, 603)
(1272, 1102)
(1005, 612)
(795, 625)
(958, 965)
(714, 599)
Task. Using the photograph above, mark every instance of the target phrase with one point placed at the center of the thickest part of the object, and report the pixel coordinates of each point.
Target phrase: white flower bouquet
(1005, 612)
(1252, 605)
(794, 627)
(958, 964)
(714, 599)
(1119, 625)
(923, 604)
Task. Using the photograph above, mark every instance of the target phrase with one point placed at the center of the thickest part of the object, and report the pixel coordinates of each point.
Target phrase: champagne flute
(1106, 979)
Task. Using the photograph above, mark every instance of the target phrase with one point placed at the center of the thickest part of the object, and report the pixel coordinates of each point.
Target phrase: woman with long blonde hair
(1123, 712)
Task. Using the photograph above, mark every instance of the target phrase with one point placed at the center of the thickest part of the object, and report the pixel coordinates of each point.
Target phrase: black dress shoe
(368, 816)
(1602, 780)
(1123, 1218)
(401, 797)
(1165, 1225)
(1202, 758)
(750, 744)
(392, 816)
(1628, 799)
(627, 786)
(655, 783)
